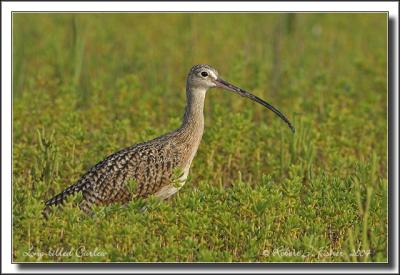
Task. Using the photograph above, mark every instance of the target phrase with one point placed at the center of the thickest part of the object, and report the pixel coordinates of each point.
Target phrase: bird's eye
(204, 74)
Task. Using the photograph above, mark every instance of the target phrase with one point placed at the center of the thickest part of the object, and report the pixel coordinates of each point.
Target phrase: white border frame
(9, 7)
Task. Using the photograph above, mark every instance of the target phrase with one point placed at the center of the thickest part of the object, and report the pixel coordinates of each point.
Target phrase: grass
(86, 85)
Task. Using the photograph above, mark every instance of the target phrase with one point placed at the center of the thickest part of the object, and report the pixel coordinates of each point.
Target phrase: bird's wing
(150, 165)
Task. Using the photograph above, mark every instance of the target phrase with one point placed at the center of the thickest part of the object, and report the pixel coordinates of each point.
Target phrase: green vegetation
(86, 85)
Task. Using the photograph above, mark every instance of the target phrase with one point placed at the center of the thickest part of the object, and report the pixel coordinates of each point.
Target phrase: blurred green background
(86, 85)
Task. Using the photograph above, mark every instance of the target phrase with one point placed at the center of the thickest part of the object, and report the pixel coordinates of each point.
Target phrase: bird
(160, 166)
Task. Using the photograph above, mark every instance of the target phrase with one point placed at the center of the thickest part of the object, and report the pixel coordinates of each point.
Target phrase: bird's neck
(193, 120)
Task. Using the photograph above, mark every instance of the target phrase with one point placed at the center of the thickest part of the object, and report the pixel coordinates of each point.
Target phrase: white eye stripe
(213, 75)
(207, 73)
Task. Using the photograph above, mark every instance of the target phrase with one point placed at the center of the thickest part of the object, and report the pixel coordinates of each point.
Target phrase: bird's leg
(46, 212)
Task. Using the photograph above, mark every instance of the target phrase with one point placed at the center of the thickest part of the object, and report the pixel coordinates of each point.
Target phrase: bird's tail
(60, 198)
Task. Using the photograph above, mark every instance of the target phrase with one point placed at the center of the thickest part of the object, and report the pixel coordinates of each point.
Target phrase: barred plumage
(153, 164)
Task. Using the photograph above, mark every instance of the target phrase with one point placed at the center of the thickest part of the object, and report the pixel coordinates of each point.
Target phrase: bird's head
(202, 76)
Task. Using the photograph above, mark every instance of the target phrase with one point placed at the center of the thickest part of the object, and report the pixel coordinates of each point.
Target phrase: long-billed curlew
(159, 166)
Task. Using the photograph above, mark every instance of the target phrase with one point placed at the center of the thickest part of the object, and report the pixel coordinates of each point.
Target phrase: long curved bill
(228, 86)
